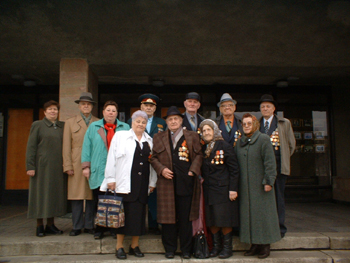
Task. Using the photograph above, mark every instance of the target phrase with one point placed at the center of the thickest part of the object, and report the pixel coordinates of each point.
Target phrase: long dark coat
(48, 188)
(258, 212)
(162, 158)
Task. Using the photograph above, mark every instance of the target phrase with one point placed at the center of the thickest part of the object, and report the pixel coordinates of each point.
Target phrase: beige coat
(73, 137)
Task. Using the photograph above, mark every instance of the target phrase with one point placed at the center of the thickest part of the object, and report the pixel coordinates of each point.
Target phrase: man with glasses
(229, 124)
(283, 142)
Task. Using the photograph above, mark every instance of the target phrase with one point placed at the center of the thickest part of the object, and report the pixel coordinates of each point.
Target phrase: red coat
(162, 158)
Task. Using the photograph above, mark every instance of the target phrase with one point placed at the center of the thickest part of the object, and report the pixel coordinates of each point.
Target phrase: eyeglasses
(227, 106)
(247, 124)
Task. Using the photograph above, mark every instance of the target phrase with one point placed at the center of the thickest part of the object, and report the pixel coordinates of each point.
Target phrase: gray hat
(226, 97)
(85, 96)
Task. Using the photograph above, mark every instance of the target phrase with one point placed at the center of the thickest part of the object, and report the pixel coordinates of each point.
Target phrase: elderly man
(283, 142)
(177, 159)
(229, 124)
(154, 125)
(191, 118)
(78, 185)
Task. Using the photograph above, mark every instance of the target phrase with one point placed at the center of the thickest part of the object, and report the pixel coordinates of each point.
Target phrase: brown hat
(85, 96)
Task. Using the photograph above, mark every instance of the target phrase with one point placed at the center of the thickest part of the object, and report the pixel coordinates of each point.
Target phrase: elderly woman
(129, 173)
(97, 141)
(220, 172)
(47, 184)
(258, 213)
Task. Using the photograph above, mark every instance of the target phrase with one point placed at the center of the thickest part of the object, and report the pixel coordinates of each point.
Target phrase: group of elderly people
(235, 159)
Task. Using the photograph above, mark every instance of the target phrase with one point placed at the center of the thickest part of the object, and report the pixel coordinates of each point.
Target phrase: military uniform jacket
(158, 125)
(162, 158)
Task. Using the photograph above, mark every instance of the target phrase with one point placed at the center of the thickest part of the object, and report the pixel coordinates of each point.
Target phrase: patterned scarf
(217, 135)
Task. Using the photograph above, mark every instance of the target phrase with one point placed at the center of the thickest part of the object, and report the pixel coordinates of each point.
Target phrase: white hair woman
(220, 172)
(129, 173)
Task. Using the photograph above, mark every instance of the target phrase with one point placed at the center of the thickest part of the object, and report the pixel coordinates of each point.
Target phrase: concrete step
(328, 256)
(85, 244)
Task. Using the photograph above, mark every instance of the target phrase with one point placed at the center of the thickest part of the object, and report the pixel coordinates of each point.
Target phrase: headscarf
(256, 124)
(217, 135)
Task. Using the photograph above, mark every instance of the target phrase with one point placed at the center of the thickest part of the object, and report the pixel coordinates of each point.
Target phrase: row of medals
(183, 154)
(218, 158)
(275, 139)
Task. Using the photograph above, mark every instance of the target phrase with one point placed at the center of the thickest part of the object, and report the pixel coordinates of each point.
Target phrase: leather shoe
(53, 230)
(254, 250)
(89, 231)
(98, 235)
(120, 253)
(264, 251)
(75, 232)
(186, 255)
(136, 251)
(40, 231)
(169, 254)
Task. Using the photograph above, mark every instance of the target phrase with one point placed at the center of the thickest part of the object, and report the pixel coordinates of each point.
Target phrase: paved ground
(300, 217)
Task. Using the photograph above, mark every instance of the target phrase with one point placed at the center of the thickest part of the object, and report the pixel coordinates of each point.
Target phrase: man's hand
(190, 173)
(86, 173)
(70, 172)
(167, 173)
(267, 188)
(31, 173)
(233, 195)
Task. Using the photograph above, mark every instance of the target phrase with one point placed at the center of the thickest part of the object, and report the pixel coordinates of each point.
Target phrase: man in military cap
(154, 125)
(191, 118)
(229, 124)
(177, 159)
(283, 142)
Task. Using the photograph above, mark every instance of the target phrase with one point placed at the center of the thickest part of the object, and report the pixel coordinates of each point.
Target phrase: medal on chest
(275, 139)
(218, 158)
(237, 136)
(184, 152)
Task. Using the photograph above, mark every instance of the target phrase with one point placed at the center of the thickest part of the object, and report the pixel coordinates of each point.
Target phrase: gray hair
(139, 113)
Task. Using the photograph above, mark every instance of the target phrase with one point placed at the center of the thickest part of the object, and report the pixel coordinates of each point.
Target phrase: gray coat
(48, 187)
(258, 212)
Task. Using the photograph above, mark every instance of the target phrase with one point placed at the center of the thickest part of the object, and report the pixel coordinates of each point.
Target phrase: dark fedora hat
(173, 110)
(268, 98)
(193, 95)
(85, 96)
(149, 98)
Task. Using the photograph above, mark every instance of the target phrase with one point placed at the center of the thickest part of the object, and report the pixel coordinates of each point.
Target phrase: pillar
(75, 77)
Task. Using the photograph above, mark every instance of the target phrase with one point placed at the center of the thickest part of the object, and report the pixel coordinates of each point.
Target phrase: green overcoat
(48, 187)
(258, 212)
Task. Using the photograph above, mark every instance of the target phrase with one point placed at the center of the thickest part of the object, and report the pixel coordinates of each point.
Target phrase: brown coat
(73, 137)
(161, 158)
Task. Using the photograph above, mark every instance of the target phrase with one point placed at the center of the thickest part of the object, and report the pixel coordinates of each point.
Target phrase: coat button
(139, 173)
(140, 154)
(141, 163)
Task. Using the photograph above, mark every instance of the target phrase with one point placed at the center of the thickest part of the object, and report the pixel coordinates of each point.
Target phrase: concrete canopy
(180, 41)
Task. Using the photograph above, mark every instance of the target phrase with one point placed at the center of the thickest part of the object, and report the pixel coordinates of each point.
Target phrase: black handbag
(200, 245)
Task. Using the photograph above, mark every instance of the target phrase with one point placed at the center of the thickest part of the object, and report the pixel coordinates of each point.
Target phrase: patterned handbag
(110, 211)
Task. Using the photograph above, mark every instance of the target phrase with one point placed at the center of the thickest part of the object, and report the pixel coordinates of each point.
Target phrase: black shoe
(53, 230)
(75, 232)
(40, 231)
(98, 235)
(254, 250)
(217, 245)
(186, 255)
(89, 231)
(136, 251)
(169, 254)
(264, 251)
(120, 253)
(226, 252)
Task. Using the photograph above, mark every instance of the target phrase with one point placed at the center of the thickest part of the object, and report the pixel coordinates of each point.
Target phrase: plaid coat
(161, 158)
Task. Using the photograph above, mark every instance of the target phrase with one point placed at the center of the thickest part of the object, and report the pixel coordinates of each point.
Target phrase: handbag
(110, 211)
(200, 245)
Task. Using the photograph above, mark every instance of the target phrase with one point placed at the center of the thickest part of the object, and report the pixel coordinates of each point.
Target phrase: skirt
(222, 215)
(135, 219)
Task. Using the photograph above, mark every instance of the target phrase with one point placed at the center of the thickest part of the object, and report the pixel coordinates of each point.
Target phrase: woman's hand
(267, 188)
(151, 189)
(233, 195)
(70, 172)
(31, 173)
(111, 186)
(86, 172)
